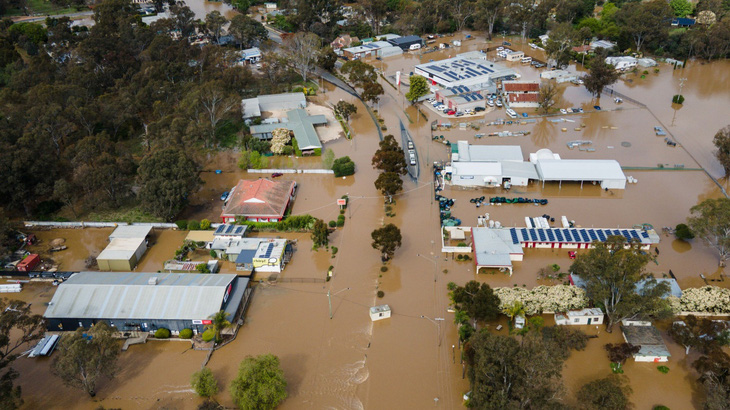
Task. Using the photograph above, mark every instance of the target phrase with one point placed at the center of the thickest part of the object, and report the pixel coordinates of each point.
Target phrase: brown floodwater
(407, 361)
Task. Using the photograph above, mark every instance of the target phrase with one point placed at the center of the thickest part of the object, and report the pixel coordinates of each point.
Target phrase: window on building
(576, 320)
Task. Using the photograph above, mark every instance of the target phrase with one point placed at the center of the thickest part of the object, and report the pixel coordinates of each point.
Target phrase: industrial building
(261, 200)
(145, 302)
(126, 246)
(499, 247)
(365, 50)
(460, 98)
(475, 73)
(607, 173)
(252, 107)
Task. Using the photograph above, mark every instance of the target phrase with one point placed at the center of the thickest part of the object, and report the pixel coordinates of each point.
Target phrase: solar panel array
(229, 229)
(457, 69)
(269, 249)
(472, 97)
(574, 235)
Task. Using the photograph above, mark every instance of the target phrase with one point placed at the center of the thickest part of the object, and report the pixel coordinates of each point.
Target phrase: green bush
(660, 407)
(678, 99)
(683, 232)
(162, 333)
(288, 150)
(181, 224)
(332, 224)
(663, 369)
(318, 152)
(334, 250)
(205, 224)
(204, 383)
(208, 335)
(383, 268)
(213, 254)
(381, 293)
(186, 334)
(193, 225)
(343, 167)
(340, 222)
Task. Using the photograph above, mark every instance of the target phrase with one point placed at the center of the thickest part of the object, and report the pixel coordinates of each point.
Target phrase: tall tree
(609, 393)
(461, 11)
(601, 74)
(546, 97)
(681, 8)
(302, 50)
(260, 383)
(167, 177)
(417, 88)
(611, 272)
(644, 21)
(183, 19)
(320, 233)
(359, 73)
(507, 374)
(375, 12)
(389, 157)
(477, 300)
(18, 328)
(247, 31)
(714, 370)
(710, 220)
(487, 13)
(85, 356)
(722, 143)
(345, 109)
(218, 322)
(389, 184)
(214, 22)
(371, 92)
(701, 333)
(386, 239)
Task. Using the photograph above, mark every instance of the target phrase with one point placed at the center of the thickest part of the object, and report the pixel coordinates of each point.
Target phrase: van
(414, 47)
(526, 60)
(511, 113)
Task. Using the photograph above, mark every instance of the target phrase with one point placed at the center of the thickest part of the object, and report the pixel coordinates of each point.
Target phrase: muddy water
(407, 361)
(81, 243)
(202, 7)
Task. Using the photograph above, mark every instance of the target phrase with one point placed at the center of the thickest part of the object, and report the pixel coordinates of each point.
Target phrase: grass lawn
(43, 7)
(131, 214)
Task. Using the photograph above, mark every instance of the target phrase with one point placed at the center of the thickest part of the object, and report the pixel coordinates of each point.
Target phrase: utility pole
(329, 298)
(435, 267)
(436, 321)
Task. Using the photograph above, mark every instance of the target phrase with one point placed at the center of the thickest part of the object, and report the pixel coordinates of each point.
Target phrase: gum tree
(710, 220)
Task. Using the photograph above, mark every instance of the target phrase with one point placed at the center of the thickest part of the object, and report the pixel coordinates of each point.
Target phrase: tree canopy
(477, 300)
(389, 157)
(386, 239)
(259, 384)
(167, 177)
(700, 333)
(85, 356)
(601, 74)
(204, 383)
(722, 143)
(710, 220)
(611, 272)
(417, 88)
(609, 393)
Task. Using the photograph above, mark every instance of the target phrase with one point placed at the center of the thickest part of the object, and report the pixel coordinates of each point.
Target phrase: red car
(451, 112)
(276, 174)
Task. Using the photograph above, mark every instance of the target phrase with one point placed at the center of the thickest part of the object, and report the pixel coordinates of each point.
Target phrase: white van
(415, 47)
(526, 60)
(511, 113)
(412, 158)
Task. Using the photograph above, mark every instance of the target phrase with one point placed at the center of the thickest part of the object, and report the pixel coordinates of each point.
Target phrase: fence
(291, 171)
(612, 92)
(297, 280)
(82, 224)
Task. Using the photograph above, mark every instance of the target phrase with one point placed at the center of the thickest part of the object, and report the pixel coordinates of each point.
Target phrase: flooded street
(408, 361)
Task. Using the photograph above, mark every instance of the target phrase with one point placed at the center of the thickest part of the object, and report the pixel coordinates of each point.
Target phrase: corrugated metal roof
(128, 295)
(579, 170)
(130, 231)
(121, 249)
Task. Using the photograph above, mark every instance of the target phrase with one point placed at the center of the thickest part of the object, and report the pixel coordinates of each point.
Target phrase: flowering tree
(707, 299)
(559, 298)
(280, 137)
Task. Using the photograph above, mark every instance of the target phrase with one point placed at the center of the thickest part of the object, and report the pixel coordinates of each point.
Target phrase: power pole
(329, 298)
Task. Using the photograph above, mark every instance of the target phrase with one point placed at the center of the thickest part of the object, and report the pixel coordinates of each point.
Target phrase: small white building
(379, 312)
(649, 338)
(605, 44)
(588, 316)
(250, 55)
(560, 76)
(515, 55)
(622, 63)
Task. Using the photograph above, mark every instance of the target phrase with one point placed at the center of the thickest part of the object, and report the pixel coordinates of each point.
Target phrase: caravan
(526, 60)
(511, 113)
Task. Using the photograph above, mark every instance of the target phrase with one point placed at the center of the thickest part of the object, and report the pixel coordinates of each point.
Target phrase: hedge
(162, 333)
(186, 334)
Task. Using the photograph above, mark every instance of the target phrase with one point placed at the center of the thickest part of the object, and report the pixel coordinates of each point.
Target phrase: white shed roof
(579, 170)
(492, 247)
(129, 295)
(120, 249)
(468, 152)
(519, 170)
(493, 168)
(130, 231)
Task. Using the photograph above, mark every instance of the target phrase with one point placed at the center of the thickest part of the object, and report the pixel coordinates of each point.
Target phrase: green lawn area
(42, 7)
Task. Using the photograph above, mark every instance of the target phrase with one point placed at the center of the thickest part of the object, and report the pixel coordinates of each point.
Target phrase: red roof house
(521, 93)
(261, 200)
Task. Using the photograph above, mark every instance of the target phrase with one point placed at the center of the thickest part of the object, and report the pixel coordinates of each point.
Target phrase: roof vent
(152, 281)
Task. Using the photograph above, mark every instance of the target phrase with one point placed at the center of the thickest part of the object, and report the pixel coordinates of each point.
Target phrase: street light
(329, 297)
(435, 267)
(436, 321)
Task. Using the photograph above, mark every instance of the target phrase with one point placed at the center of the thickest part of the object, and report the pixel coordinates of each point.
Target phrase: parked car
(459, 113)
(524, 114)
(479, 109)
(563, 111)
(225, 195)
(499, 103)
(451, 112)
(500, 48)
(276, 174)
(506, 43)
(490, 103)
(410, 144)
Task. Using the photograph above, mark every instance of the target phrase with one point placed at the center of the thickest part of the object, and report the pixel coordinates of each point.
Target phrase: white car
(511, 113)
(431, 99)
(500, 48)
(499, 103)
(563, 111)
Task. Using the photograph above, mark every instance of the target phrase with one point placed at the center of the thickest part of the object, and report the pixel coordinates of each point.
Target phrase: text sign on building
(203, 322)
(197, 322)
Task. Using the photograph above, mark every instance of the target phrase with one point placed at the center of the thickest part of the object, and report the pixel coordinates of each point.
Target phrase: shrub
(381, 294)
(186, 334)
(342, 211)
(208, 335)
(660, 407)
(204, 383)
(383, 268)
(213, 254)
(332, 224)
(162, 333)
(205, 224)
(341, 220)
(193, 225)
(459, 257)
(555, 267)
(663, 369)
(181, 224)
(287, 150)
(678, 99)
(334, 250)
(343, 167)
(683, 232)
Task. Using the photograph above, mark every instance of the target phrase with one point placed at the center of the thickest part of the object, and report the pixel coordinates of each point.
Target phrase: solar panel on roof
(559, 235)
(592, 235)
(219, 229)
(437, 68)
(625, 233)
(550, 235)
(616, 232)
(542, 235)
(584, 235)
(523, 231)
(533, 235)
(513, 232)
(634, 234)
(601, 236)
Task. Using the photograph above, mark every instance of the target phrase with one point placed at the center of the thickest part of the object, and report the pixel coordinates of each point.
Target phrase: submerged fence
(82, 224)
(613, 92)
(290, 171)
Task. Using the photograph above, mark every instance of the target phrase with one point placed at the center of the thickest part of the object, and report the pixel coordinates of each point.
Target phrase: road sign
(342, 202)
